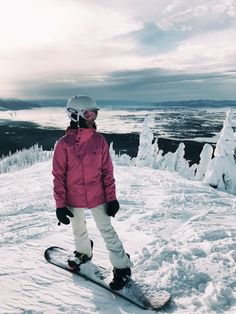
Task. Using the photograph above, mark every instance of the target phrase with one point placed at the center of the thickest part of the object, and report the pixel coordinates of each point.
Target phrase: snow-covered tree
(176, 161)
(159, 161)
(205, 158)
(193, 171)
(167, 162)
(112, 152)
(157, 155)
(221, 171)
(145, 150)
(226, 144)
(181, 164)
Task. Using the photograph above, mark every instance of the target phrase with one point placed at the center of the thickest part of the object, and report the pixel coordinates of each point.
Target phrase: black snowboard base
(132, 292)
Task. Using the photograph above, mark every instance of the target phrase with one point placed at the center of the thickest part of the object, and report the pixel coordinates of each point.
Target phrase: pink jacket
(82, 170)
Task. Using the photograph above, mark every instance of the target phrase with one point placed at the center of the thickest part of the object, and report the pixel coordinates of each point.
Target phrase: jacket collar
(81, 134)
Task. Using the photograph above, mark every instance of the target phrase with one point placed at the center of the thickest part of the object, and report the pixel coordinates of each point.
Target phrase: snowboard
(132, 292)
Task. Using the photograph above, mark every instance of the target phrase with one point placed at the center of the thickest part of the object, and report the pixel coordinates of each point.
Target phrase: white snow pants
(117, 255)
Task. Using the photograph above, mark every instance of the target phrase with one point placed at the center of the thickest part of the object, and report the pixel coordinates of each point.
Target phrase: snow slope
(179, 233)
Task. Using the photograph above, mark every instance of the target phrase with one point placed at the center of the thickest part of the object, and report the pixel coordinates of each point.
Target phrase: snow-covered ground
(180, 235)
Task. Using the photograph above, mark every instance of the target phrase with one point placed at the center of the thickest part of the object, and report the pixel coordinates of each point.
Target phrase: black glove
(112, 208)
(62, 214)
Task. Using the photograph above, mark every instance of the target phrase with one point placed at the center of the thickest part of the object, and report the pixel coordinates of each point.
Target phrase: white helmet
(77, 104)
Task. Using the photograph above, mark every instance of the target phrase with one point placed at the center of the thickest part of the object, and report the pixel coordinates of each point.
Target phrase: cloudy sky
(148, 50)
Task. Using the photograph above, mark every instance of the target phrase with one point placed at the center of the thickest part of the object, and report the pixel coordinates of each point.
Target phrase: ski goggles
(88, 115)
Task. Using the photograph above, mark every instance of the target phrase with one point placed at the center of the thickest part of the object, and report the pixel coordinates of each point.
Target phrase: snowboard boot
(120, 279)
(79, 258)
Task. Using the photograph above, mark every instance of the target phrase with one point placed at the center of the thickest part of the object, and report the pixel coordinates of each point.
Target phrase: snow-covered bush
(122, 160)
(24, 158)
(173, 161)
(221, 171)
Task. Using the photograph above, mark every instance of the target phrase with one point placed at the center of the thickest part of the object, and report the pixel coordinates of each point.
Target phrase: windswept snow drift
(179, 233)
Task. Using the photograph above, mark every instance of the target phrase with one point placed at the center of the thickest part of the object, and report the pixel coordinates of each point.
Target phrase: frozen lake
(120, 125)
(199, 124)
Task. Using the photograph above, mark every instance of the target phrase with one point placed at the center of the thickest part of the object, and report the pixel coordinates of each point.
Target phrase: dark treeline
(18, 135)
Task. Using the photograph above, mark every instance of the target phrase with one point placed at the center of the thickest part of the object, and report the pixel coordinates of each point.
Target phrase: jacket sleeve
(107, 173)
(59, 173)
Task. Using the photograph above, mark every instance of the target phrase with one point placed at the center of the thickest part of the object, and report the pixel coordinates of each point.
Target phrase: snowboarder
(83, 179)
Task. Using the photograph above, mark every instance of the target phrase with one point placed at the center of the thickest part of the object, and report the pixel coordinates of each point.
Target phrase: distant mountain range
(198, 103)
(17, 104)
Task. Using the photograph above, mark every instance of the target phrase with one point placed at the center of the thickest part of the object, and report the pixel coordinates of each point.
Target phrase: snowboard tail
(100, 276)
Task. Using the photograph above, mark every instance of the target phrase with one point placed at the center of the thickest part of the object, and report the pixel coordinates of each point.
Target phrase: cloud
(66, 44)
(146, 84)
(56, 38)
(198, 16)
(176, 14)
(209, 52)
